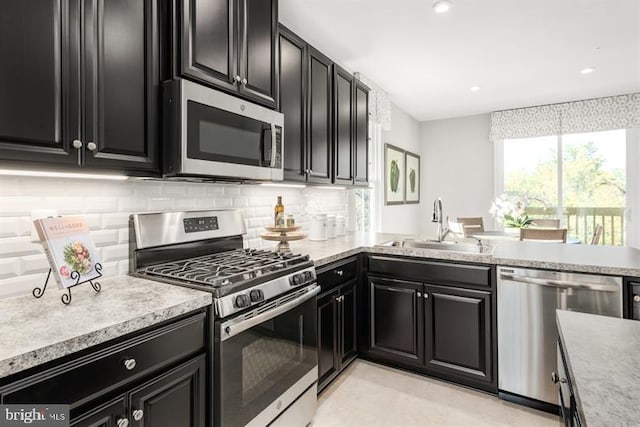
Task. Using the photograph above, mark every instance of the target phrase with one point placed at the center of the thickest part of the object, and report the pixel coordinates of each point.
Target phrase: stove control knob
(242, 301)
(308, 276)
(297, 280)
(256, 295)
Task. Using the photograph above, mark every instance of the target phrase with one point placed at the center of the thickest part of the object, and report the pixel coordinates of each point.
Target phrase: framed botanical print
(394, 175)
(412, 178)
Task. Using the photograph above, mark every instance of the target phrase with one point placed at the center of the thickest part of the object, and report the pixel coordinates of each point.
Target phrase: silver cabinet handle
(237, 79)
(556, 379)
(636, 298)
(419, 294)
(91, 146)
(123, 422)
(129, 364)
(244, 81)
(138, 414)
(426, 295)
(339, 272)
(77, 143)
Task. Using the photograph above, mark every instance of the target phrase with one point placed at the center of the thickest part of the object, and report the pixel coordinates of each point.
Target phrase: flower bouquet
(510, 210)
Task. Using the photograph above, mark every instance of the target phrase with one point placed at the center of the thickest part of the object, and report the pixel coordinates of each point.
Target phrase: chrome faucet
(441, 232)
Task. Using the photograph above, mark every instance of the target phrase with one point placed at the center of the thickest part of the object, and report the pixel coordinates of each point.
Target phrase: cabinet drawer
(337, 274)
(82, 379)
(433, 272)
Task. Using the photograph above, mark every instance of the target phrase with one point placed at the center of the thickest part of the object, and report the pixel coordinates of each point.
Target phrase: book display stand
(66, 297)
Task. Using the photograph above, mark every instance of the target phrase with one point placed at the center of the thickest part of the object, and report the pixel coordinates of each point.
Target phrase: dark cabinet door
(396, 320)
(343, 129)
(38, 115)
(120, 83)
(107, 415)
(292, 101)
(208, 42)
(257, 50)
(348, 311)
(328, 360)
(319, 117)
(458, 332)
(361, 132)
(177, 398)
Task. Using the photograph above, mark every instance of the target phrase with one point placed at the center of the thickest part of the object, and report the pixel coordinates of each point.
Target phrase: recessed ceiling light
(587, 70)
(474, 88)
(441, 6)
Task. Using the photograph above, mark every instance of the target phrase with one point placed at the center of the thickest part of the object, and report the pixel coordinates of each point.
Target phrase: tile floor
(367, 394)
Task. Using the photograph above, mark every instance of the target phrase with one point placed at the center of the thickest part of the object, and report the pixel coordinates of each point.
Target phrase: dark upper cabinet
(328, 358)
(208, 42)
(361, 134)
(396, 320)
(319, 107)
(458, 331)
(231, 45)
(174, 399)
(292, 82)
(37, 105)
(121, 83)
(343, 85)
(86, 89)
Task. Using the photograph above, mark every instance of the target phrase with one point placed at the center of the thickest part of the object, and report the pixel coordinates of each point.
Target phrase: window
(579, 178)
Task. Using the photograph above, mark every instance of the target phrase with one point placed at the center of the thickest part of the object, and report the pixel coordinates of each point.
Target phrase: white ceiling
(520, 52)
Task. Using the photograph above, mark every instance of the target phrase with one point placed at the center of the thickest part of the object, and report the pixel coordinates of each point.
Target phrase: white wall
(404, 133)
(106, 205)
(457, 165)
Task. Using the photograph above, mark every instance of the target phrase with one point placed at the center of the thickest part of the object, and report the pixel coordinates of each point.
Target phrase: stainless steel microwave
(210, 134)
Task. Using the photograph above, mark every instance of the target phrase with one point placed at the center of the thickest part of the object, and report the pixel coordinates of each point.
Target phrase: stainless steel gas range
(265, 335)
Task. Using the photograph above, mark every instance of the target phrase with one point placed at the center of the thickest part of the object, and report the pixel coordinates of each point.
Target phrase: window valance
(591, 115)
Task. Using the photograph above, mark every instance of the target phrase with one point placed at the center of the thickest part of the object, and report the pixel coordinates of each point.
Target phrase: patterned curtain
(379, 103)
(592, 115)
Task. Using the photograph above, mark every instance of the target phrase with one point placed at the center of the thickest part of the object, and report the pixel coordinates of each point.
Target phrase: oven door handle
(233, 327)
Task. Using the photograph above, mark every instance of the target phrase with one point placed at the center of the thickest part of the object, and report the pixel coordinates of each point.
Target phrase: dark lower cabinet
(328, 361)
(107, 415)
(396, 320)
(174, 399)
(337, 319)
(79, 83)
(443, 325)
(458, 331)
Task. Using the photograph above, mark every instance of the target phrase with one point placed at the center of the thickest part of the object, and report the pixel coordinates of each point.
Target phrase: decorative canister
(331, 226)
(318, 228)
(341, 225)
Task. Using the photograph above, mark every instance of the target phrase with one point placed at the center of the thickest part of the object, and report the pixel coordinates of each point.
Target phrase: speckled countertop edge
(597, 413)
(25, 355)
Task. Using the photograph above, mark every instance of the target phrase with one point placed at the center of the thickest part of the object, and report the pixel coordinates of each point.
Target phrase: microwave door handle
(266, 155)
(273, 146)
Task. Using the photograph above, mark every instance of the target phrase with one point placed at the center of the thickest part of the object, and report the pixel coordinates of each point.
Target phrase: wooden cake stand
(284, 235)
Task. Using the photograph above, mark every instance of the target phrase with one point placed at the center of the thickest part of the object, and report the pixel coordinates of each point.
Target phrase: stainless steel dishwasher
(527, 334)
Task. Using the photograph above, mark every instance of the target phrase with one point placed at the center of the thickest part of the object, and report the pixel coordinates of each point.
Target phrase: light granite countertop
(603, 355)
(34, 331)
(578, 258)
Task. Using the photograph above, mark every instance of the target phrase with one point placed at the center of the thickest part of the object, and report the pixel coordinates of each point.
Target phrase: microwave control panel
(206, 223)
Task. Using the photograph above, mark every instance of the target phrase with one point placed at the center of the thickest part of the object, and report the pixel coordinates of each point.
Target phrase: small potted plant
(510, 211)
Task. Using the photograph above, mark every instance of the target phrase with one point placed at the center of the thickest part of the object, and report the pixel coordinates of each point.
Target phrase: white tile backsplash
(106, 205)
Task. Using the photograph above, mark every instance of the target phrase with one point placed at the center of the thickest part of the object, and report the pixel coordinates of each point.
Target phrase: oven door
(225, 136)
(267, 358)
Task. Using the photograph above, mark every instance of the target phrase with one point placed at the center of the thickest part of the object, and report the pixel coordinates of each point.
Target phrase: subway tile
(223, 202)
(18, 246)
(184, 204)
(205, 203)
(131, 205)
(115, 253)
(9, 267)
(240, 202)
(32, 264)
(101, 204)
(115, 220)
(123, 235)
(160, 204)
(21, 206)
(173, 189)
(105, 237)
(196, 189)
(23, 285)
(9, 186)
(214, 189)
(14, 226)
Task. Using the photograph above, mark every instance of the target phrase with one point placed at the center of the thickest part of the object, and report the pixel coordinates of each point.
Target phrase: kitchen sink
(439, 246)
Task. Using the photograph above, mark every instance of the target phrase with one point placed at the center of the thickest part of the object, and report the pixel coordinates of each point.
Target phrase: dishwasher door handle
(561, 283)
